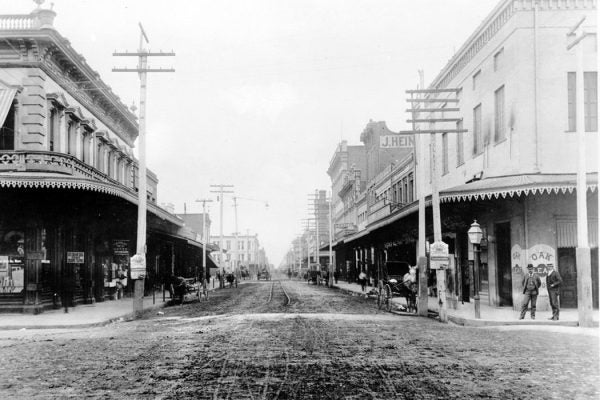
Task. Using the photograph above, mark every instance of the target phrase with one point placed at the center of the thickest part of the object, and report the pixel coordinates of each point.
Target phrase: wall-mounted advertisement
(12, 257)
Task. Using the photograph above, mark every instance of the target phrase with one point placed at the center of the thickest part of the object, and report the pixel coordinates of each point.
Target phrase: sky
(263, 90)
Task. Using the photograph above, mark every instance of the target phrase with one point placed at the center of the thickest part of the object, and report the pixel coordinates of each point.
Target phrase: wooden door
(503, 264)
(567, 268)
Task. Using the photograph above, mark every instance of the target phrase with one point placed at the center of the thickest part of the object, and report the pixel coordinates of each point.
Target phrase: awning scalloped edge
(96, 187)
(490, 195)
(81, 185)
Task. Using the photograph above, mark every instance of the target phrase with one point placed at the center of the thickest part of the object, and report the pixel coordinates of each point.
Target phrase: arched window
(99, 152)
(84, 148)
(71, 137)
(109, 164)
(52, 129)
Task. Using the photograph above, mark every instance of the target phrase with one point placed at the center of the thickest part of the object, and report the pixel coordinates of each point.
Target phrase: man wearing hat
(531, 283)
(553, 281)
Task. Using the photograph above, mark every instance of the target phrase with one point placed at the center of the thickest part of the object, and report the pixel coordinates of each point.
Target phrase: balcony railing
(17, 22)
(46, 161)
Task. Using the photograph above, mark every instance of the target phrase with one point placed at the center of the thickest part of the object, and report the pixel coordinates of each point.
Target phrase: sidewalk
(81, 316)
(464, 314)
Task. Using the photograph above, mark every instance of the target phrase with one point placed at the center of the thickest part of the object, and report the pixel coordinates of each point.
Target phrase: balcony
(59, 166)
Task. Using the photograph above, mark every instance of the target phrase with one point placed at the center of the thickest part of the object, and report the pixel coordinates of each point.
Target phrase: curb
(462, 321)
(487, 322)
(121, 318)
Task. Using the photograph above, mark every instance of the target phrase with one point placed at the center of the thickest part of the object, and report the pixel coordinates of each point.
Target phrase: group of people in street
(531, 285)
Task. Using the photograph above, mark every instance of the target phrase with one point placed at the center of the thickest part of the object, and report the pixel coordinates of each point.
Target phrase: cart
(180, 287)
(397, 279)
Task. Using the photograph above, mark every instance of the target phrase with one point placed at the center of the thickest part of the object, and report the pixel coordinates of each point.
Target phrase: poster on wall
(540, 256)
(3, 265)
(120, 250)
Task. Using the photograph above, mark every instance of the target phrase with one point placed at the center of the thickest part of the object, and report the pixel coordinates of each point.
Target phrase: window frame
(445, 153)
(500, 115)
(478, 144)
(589, 107)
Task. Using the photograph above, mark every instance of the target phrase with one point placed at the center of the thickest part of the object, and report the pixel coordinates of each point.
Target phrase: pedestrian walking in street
(335, 276)
(362, 279)
(68, 288)
(553, 281)
(531, 284)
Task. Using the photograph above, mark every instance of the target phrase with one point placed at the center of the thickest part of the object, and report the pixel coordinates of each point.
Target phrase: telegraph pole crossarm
(425, 110)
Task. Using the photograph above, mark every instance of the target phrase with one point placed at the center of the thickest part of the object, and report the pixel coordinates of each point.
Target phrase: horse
(230, 279)
(409, 288)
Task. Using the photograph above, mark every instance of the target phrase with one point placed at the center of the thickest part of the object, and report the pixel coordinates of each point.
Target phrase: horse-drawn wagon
(397, 279)
(179, 287)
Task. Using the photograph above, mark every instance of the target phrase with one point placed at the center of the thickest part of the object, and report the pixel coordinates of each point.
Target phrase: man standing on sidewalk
(531, 284)
(553, 281)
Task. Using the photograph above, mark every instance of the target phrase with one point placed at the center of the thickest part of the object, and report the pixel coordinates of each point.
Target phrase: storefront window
(12, 255)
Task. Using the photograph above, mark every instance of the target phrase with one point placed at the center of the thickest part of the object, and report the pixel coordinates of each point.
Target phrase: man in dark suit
(531, 284)
(553, 281)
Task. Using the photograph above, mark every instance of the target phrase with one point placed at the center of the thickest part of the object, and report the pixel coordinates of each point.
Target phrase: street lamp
(475, 234)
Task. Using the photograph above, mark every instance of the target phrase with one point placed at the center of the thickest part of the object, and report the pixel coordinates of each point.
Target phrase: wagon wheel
(388, 298)
(380, 292)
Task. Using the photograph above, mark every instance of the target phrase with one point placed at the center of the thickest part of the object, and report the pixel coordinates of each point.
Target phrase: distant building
(371, 184)
(240, 252)
(196, 223)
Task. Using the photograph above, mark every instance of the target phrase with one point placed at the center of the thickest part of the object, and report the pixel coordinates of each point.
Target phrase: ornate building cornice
(52, 53)
(492, 24)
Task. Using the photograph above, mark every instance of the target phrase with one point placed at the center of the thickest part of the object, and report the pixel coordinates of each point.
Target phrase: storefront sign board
(75, 257)
(120, 247)
(35, 255)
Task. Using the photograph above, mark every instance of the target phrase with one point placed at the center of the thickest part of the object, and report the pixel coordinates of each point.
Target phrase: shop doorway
(567, 268)
(568, 271)
(503, 264)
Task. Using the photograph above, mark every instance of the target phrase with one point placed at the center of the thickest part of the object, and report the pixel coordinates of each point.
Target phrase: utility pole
(317, 214)
(331, 266)
(439, 250)
(582, 252)
(236, 245)
(138, 262)
(248, 251)
(221, 190)
(420, 178)
(205, 239)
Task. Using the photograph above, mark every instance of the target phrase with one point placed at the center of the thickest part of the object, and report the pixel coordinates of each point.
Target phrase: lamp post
(475, 234)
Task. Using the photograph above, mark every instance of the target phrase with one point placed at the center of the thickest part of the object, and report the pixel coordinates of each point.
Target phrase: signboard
(138, 266)
(75, 257)
(120, 247)
(396, 141)
(35, 255)
(438, 255)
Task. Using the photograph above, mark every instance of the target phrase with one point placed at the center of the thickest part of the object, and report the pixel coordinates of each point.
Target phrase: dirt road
(288, 340)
